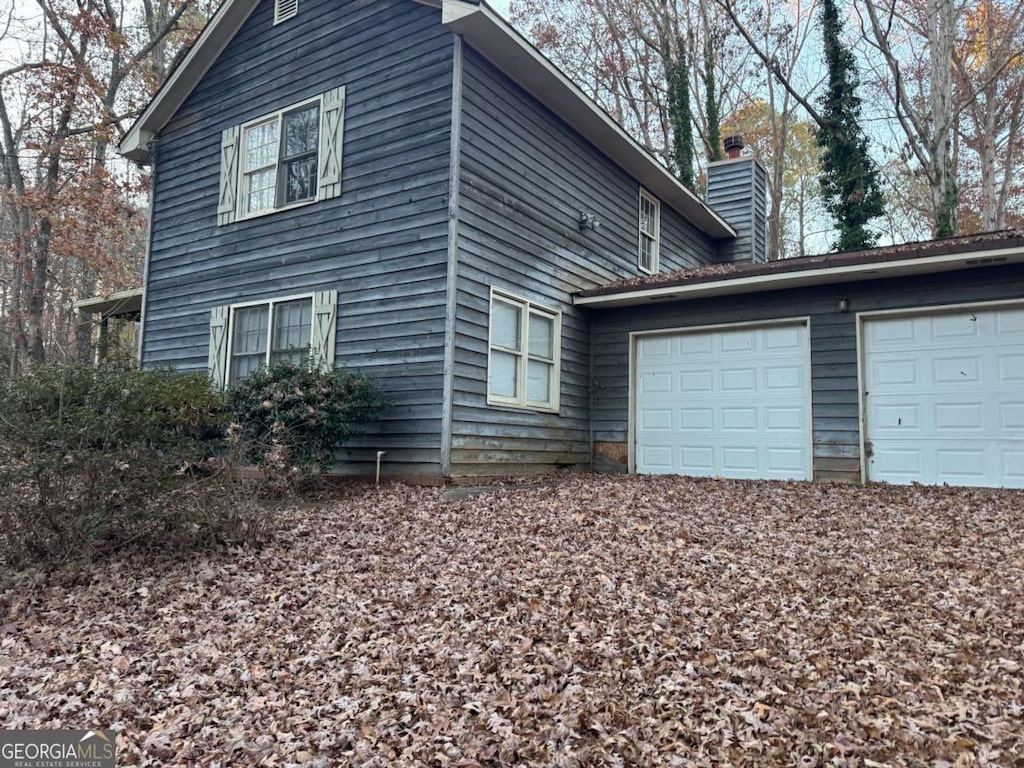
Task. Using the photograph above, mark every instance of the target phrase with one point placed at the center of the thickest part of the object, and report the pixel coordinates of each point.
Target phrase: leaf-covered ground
(594, 621)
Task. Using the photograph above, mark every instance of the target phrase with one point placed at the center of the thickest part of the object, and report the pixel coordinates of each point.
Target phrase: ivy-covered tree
(711, 104)
(679, 112)
(849, 177)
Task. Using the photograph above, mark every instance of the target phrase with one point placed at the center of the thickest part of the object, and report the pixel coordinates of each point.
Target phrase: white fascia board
(507, 50)
(121, 301)
(172, 94)
(778, 281)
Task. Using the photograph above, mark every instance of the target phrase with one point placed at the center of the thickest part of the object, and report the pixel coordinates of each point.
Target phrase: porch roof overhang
(934, 256)
(121, 304)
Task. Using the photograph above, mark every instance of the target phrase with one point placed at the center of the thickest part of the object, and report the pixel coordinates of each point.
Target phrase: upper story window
(285, 9)
(524, 354)
(284, 159)
(650, 233)
(279, 166)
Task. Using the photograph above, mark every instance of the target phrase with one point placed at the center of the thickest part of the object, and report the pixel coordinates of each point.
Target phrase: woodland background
(940, 85)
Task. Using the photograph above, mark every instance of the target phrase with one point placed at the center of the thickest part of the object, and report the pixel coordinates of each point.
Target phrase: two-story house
(409, 189)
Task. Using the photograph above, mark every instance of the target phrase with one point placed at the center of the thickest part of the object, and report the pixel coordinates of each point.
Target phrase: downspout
(147, 251)
(451, 286)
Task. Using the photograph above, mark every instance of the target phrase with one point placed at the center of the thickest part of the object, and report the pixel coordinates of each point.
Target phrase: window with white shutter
(523, 354)
(247, 337)
(282, 160)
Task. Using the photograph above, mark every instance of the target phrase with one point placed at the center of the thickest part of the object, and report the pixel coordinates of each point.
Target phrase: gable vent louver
(285, 9)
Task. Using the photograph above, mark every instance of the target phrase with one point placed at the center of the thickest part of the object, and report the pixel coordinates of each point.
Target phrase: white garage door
(731, 403)
(944, 398)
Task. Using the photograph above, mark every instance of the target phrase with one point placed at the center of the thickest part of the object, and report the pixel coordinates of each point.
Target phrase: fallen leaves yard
(592, 621)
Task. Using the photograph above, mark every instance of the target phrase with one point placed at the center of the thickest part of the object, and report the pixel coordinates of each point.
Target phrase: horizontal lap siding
(382, 244)
(525, 178)
(835, 405)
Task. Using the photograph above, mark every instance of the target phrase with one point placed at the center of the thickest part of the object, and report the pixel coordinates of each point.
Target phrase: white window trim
(656, 235)
(240, 192)
(288, 13)
(270, 327)
(526, 308)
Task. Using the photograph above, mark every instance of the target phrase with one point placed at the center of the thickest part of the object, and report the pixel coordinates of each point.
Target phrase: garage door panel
(897, 371)
(949, 406)
(959, 417)
(960, 327)
(739, 380)
(961, 464)
(697, 419)
(740, 401)
(1013, 467)
(656, 419)
(1011, 368)
(785, 339)
(699, 461)
(739, 419)
(657, 457)
(740, 461)
(737, 341)
(1011, 324)
(696, 382)
(785, 419)
(1011, 417)
(649, 350)
(694, 345)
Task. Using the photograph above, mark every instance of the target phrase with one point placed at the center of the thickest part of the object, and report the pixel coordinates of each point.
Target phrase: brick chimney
(738, 192)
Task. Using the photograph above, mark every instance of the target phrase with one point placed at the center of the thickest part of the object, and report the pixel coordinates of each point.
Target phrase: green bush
(87, 457)
(294, 416)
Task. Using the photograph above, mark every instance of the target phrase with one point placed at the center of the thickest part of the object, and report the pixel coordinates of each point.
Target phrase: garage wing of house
(411, 190)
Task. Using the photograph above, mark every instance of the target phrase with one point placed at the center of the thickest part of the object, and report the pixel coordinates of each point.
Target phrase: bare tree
(69, 210)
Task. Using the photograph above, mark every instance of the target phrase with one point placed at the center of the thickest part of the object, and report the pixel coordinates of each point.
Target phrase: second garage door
(944, 397)
(728, 402)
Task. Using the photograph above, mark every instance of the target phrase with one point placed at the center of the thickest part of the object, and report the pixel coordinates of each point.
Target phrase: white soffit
(507, 50)
(774, 281)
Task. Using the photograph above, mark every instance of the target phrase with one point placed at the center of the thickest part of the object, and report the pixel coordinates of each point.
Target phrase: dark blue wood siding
(835, 417)
(381, 244)
(525, 177)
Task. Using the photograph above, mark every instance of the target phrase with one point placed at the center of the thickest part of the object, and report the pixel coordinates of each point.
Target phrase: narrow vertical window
(650, 233)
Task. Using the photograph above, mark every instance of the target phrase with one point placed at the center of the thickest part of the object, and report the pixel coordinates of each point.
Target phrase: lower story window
(268, 334)
(249, 336)
(523, 354)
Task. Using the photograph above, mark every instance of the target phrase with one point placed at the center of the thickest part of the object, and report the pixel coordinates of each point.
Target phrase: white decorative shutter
(331, 143)
(324, 333)
(219, 346)
(227, 202)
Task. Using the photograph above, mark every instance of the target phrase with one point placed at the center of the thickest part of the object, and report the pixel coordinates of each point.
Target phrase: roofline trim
(871, 270)
(483, 28)
(212, 41)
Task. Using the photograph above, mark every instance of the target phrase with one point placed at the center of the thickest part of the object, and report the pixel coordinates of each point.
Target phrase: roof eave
(214, 38)
(507, 50)
(803, 278)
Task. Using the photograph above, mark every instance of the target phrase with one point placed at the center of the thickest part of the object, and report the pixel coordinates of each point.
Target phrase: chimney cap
(733, 145)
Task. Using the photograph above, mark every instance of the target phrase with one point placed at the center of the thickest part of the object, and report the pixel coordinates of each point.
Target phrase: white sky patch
(501, 6)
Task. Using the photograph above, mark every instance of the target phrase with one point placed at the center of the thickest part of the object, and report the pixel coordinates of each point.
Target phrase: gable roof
(929, 256)
(500, 44)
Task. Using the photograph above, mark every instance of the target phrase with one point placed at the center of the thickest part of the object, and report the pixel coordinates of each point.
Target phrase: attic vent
(285, 9)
